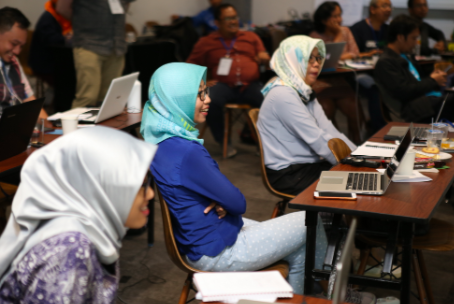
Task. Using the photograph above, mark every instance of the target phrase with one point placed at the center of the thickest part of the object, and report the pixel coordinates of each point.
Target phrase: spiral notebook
(375, 149)
(230, 287)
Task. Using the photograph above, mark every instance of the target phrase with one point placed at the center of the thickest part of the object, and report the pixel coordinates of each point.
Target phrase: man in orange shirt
(233, 58)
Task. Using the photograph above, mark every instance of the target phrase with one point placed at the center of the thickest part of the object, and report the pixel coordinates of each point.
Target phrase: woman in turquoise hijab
(206, 207)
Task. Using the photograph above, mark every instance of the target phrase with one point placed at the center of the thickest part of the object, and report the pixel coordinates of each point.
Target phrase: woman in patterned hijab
(77, 197)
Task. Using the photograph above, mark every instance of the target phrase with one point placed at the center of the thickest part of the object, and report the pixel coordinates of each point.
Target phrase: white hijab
(85, 181)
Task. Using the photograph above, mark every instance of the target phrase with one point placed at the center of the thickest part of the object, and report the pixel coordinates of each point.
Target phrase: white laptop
(360, 182)
(113, 104)
(333, 53)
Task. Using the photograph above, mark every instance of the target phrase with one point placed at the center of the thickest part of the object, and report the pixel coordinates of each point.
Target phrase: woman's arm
(201, 174)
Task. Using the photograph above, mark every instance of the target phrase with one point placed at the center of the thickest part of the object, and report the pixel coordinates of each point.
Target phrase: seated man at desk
(232, 58)
(419, 9)
(14, 86)
(416, 99)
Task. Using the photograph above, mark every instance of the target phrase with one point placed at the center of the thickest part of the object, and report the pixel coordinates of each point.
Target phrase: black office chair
(146, 57)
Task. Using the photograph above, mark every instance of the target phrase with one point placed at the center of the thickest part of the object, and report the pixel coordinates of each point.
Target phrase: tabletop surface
(411, 202)
(124, 121)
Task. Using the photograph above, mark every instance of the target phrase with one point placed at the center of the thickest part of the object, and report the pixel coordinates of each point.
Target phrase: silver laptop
(372, 183)
(333, 53)
(114, 103)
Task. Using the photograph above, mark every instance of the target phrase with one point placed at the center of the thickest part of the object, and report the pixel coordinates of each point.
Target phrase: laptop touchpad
(332, 180)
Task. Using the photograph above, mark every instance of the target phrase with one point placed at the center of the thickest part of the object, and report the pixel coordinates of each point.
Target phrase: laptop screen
(398, 156)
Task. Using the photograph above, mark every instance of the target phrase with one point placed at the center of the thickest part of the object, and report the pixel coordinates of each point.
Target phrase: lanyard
(374, 32)
(228, 48)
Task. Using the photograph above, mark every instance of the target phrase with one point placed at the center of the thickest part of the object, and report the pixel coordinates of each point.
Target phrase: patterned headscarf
(290, 62)
(170, 110)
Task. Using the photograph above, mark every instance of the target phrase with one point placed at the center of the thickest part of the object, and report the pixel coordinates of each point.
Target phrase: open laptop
(371, 183)
(16, 127)
(333, 53)
(396, 133)
(113, 104)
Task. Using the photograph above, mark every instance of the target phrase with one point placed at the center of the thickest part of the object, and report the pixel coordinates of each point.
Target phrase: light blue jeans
(260, 244)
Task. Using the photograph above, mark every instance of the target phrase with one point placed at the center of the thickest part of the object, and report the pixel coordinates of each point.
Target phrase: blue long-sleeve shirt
(205, 18)
(189, 180)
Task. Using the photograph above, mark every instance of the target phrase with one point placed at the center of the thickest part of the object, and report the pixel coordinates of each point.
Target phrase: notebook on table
(229, 287)
(16, 127)
(371, 183)
(113, 104)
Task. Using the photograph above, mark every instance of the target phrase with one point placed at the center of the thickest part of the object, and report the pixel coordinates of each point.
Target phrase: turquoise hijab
(170, 110)
(290, 63)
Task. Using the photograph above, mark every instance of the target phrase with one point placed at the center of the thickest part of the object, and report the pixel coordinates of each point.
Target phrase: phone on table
(334, 195)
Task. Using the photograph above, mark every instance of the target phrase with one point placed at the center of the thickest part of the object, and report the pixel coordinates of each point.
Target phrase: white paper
(358, 65)
(224, 66)
(370, 148)
(414, 178)
(115, 7)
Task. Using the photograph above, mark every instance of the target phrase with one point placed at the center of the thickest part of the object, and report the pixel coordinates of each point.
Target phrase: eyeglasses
(234, 18)
(203, 94)
(319, 59)
(147, 182)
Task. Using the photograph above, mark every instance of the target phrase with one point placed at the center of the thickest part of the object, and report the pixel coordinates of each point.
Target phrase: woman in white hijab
(77, 197)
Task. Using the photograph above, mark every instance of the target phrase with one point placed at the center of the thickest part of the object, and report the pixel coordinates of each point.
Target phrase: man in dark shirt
(412, 97)
(419, 10)
(370, 33)
(232, 58)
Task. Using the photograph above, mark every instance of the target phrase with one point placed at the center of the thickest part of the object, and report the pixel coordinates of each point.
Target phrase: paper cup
(407, 164)
(69, 124)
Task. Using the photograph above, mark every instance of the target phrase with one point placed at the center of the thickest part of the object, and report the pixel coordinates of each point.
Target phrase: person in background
(293, 126)
(205, 18)
(51, 29)
(99, 45)
(69, 215)
(370, 36)
(333, 91)
(233, 58)
(14, 85)
(419, 9)
(370, 33)
(416, 99)
(206, 208)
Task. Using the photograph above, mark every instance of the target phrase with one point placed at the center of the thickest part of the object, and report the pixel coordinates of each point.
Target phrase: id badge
(115, 7)
(371, 44)
(224, 66)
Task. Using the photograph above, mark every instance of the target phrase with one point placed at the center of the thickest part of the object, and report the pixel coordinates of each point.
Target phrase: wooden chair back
(254, 116)
(339, 148)
(169, 238)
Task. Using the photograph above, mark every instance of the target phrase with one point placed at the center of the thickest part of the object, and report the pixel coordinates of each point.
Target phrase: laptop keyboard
(362, 181)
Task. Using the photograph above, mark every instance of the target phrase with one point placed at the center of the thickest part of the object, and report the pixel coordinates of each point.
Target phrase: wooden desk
(125, 122)
(297, 299)
(408, 203)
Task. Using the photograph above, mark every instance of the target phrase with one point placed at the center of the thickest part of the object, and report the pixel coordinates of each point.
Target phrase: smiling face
(228, 22)
(334, 22)
(138, 215)
(202, 106)
(11, 42)
(313, 67)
